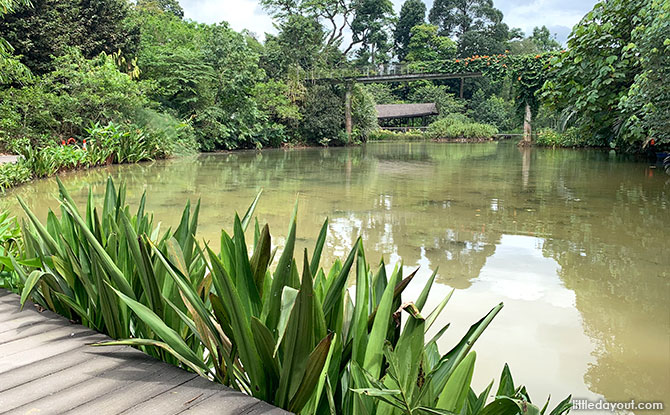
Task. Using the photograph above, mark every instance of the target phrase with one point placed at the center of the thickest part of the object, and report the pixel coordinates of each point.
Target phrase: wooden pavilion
(405, 116)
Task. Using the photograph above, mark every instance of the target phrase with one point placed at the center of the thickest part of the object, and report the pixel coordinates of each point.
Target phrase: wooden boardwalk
(47, 367)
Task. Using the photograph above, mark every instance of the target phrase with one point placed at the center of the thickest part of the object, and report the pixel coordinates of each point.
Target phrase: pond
(573, 242)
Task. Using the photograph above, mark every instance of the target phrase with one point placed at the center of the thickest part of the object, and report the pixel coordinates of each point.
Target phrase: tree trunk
(347, 112)
(461, 92)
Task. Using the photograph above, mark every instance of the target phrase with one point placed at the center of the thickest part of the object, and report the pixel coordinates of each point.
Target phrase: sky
(558, 15)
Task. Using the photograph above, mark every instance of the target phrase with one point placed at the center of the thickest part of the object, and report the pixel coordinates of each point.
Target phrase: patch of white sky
(558, 15)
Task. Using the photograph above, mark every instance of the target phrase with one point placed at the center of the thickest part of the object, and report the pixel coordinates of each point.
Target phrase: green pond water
(575, 243)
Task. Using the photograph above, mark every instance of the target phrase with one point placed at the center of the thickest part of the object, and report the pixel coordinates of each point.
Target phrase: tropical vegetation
(66, 64)
(295, 335)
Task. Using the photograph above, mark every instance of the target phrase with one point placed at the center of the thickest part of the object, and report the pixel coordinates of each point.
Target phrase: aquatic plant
(293, 337)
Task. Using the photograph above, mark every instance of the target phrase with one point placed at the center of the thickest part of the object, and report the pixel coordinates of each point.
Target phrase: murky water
(575, 243)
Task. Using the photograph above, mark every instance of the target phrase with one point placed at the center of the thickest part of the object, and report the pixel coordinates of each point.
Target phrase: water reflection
(572, 241)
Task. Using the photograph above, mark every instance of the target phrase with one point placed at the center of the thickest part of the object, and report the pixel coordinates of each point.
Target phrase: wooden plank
(53, 364)
(233, 403)
(30, 328)
(83, 383)
(54, 384)
(27, 319)
(46, 336)
(9, 298)
(47, 351)
(130, 394)
(177, 400)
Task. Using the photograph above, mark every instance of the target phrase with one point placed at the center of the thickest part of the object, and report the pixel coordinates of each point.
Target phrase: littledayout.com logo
(601, 404)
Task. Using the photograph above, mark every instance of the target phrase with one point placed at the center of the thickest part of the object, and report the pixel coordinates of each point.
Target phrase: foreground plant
(292, 336)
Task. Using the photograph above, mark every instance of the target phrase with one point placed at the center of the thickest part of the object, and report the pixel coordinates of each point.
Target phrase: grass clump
(455, 126)
(294, 336)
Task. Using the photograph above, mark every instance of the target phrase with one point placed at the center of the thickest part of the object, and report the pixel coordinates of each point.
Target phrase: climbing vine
(528, 72)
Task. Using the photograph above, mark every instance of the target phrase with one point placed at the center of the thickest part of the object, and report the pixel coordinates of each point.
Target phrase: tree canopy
(412, 13)
(50, 27)
(476, 24)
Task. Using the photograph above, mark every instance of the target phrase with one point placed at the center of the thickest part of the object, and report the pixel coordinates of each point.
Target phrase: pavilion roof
(405, 110)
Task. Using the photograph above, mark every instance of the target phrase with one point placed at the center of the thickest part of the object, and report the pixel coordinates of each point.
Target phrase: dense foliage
(102, 145)
(614, 74)
(296, 337)
(65, 65)
(51, 27)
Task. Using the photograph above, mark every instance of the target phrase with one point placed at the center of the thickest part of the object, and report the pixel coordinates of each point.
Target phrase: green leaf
(261, 258)
(438, 377)
(563, 407)
(266, 345)
(244, 275)
(287, 302)
(106, 261)
(374, 351)
(281, 279)
(168, 335)
(315, 367)
(508, 406)
(31, 283)
(250, 211)
(456, 390)
(299, 340)
(240, 324)
(336, 288)
(318, 248)
(506, 386)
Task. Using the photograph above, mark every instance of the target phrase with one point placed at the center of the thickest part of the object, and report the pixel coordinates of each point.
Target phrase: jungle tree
(412, 13)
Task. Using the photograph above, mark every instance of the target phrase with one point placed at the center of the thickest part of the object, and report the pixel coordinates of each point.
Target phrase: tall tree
(412, 13)
(52, 26)
(544, 40)
(300, 45)
(334, 15)
(427, 45)
(476, 25)
(370, 28)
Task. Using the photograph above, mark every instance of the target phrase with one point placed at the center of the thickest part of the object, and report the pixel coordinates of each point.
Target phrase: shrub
(166, 135)
(363, 114)
(12, 174)
(571, 137)
(459, 126)
(322, 115)
(493, 110)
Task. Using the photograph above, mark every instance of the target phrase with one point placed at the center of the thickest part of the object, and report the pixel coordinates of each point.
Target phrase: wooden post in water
(526, 128)
(347, 111)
